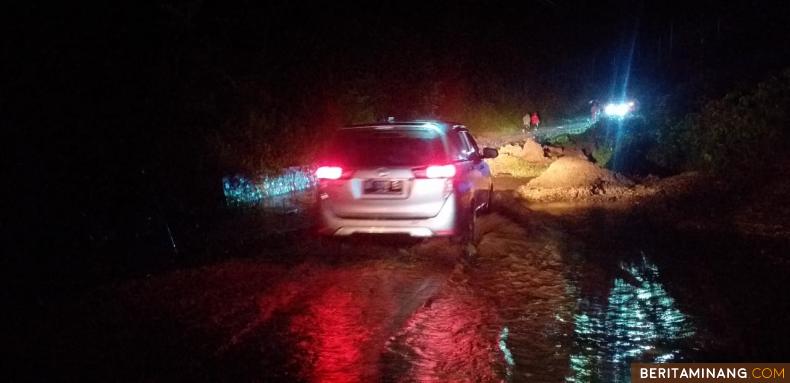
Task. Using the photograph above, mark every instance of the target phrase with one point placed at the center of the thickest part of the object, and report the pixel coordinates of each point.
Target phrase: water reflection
(638, 322)
(342, 318)
(516, 314)
(453, 340)
(506, 354)
(336, 338)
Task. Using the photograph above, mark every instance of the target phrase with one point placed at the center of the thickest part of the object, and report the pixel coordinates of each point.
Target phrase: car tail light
(329, 172)
(440, 171)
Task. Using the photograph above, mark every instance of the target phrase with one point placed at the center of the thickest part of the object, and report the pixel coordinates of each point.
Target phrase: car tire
(490, 204)
(473, 228)
(467, 229)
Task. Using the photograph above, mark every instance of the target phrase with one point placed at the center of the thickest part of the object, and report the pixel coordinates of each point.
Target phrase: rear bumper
(443, 224)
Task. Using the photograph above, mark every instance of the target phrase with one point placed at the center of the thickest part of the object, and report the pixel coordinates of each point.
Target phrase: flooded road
(544, 298)
(547, 296)
(526, 307)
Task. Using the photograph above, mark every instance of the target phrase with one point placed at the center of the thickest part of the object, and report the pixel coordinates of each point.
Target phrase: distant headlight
(618, 110)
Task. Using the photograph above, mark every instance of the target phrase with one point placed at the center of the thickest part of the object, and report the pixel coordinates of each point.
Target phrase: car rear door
(384, 174)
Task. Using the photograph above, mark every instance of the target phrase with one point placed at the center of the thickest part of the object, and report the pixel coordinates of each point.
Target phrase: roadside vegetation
(130, 133)
(722, 166)
(740, 134)
(743, 131)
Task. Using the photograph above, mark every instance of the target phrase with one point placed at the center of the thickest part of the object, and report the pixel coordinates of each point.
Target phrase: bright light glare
(618, 110)
(421, 232)
(440, 171)
(433, 126)
(329, 172)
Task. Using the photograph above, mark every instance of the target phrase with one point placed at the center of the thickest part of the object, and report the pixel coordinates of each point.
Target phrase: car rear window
(387, 147)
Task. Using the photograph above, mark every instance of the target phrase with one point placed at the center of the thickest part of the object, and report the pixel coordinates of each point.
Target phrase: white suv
(421, 178)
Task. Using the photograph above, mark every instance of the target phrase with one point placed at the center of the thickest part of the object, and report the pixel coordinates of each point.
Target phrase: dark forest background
(125, 115)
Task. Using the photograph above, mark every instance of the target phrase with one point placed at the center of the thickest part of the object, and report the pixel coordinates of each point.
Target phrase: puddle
(638, 321)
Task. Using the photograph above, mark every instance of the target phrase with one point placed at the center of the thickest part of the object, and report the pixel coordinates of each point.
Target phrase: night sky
(135, 54)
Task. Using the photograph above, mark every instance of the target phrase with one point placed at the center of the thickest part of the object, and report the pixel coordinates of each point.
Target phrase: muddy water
(548, 296)
(522, 309)
(552, 293)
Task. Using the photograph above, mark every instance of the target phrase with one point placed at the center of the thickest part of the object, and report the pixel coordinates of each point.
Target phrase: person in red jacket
(534, 120)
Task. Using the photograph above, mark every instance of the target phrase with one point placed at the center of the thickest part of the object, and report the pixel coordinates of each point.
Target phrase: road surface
(569, 126)
(549, 295)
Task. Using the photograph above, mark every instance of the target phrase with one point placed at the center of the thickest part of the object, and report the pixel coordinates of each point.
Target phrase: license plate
(383, 187)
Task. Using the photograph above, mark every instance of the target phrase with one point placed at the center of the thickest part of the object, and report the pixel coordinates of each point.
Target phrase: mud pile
(530, 151)
(533, 152)
(516, 160)
(510, 150)
(572, 178)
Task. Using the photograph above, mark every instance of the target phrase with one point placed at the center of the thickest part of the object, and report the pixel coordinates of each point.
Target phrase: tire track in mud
(419, 312)
(333, 318)
(505, 316)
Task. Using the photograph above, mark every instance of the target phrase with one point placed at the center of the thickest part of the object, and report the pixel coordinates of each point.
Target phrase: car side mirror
(490, 153)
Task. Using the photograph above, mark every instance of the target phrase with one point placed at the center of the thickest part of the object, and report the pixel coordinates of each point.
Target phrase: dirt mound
(571, 178)
(679, 184)
(515, 166)
(576, 172)
(510, 150)
(532, 151)
(767, 211)
(523, 161)
(497, 139)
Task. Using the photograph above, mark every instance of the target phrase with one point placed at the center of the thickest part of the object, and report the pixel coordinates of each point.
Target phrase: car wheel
(466, 229)
(472, 228)
(489, 205)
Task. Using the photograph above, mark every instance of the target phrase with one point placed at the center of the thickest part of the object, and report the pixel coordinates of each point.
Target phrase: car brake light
(329, 172)
(440, 171)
